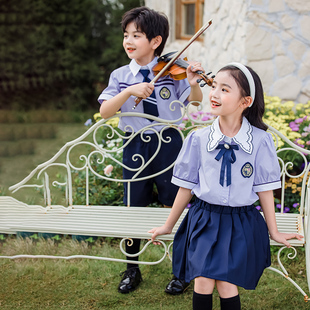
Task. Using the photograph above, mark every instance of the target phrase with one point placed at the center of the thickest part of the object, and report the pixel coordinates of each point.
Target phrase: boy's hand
(163, 230)
(141, 90)
(191, 70)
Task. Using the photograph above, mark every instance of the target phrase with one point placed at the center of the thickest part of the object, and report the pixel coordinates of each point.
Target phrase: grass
(91, 284)
(14, 169)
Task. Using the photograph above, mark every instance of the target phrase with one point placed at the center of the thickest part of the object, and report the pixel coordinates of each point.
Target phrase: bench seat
(107, 221)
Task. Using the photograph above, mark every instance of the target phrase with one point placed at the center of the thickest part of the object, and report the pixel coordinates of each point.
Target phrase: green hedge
(56, 53)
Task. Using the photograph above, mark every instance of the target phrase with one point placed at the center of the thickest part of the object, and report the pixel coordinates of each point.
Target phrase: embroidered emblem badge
(247, 170)
(165, 93)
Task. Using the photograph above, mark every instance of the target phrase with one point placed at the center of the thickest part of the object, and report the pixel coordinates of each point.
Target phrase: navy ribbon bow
(229, 157)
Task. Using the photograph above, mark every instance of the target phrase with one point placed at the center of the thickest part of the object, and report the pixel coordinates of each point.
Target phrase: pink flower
(294, 126)
(108, 170)
(297, 143)
(181, 126)
(205, 118)
(299, 120)
(307, 129)
(194, 115)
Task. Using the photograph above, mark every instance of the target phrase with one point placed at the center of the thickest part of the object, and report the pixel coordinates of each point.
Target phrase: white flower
(108, 170)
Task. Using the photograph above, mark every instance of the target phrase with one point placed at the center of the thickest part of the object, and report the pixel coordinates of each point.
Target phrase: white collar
(135, 68)
(243, 138)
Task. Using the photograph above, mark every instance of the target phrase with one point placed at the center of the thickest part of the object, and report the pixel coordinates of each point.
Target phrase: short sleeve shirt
(166, 91)
(256, 168)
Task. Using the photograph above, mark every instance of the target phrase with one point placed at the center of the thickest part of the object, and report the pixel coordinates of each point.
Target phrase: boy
(145, 35)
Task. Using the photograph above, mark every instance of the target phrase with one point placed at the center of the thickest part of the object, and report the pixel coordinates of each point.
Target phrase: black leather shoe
(130, 281)
(176, 286)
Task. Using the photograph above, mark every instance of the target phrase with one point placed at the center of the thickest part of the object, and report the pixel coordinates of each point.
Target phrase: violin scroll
(205, 77)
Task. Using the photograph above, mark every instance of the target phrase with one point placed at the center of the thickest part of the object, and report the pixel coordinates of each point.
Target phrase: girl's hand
(163, 230)
(283, 237)
(191, 74)
(141, 90)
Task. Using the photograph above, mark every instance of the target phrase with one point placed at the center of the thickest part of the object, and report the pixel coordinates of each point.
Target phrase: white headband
(249, 77)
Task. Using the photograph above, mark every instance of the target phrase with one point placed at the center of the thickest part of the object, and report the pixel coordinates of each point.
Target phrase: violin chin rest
(167, 57)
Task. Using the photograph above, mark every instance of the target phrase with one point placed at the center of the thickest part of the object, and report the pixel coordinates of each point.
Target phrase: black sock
(202, 301)
(133, 249)
(232, 303)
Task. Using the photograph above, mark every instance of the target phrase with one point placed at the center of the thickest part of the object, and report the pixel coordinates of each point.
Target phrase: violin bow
(176, 56)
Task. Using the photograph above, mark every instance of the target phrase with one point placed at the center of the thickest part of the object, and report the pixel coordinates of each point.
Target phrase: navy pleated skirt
(222, 243)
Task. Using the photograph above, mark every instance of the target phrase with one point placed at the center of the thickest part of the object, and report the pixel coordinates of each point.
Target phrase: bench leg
(307, 248)
(129, 241)
(284, 273)
(99, 257)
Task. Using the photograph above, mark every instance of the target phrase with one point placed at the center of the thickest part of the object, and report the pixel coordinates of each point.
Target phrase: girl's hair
(255, 113)
(150, 22)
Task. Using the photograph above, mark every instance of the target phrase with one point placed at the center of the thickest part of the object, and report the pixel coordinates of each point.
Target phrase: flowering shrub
(292, 120)
(101, 191)
(302, 126)
(292, 194)
(188, 123)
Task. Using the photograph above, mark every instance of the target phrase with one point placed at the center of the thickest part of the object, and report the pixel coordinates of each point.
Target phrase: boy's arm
(267, 203)
(196, 93)
(109, 107)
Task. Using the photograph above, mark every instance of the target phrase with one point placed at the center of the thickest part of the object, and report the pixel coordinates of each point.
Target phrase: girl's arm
(267, 204)
(182, 199)
(109, 107)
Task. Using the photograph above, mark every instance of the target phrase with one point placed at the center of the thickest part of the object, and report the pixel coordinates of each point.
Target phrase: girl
(229, 165)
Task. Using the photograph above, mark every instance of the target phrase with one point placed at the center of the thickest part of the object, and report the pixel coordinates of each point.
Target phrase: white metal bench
(127, 222)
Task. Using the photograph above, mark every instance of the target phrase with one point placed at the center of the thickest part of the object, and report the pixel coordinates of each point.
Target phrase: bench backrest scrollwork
(103, 145)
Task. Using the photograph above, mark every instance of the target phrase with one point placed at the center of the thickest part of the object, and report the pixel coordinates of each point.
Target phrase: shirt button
(224, 200)
(226, 146)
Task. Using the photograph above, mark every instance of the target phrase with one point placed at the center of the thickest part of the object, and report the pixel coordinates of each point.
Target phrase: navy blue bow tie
(229, 157)
(149, 104)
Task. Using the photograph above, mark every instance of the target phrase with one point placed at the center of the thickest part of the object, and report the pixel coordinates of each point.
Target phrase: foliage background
(58, 54)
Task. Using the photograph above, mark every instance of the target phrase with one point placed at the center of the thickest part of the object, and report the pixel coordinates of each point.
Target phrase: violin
(178, 70)
(176, 56)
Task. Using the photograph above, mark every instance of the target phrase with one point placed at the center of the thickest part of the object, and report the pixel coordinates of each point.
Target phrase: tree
(52, 52)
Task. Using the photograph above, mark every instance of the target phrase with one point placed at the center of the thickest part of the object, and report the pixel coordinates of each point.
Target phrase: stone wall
(271, 36)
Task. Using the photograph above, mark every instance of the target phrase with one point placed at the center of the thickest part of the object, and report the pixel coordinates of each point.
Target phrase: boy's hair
(254, 114)
(150, 22)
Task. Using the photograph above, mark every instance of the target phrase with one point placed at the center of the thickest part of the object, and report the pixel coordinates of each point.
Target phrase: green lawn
(14, 169)
(91, 284)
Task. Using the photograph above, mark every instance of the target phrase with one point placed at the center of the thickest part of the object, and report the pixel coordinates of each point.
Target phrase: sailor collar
(135, 68)
(243, 138)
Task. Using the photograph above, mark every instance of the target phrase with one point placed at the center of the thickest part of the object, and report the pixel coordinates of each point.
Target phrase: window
(189, 17)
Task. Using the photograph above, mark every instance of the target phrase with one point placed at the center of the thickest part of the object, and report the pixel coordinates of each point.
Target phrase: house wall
(271, 36)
